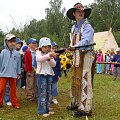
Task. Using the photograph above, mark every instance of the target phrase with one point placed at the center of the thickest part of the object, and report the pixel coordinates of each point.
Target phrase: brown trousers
(31, 85)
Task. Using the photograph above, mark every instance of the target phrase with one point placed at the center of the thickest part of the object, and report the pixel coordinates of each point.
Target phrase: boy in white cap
(81, 35)
(44, 72)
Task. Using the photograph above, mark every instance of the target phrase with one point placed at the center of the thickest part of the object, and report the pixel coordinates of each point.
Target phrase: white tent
(105, 41)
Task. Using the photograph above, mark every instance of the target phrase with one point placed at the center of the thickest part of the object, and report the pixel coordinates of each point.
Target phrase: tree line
(56, 25)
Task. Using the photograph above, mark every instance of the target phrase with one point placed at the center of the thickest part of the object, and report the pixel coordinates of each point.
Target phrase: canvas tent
(105, 41)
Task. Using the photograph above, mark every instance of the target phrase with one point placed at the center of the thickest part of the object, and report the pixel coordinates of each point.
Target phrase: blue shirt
(87, 34)
(78, 26)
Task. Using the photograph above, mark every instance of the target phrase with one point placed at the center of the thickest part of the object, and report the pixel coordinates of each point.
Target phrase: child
(19, 45)
(107, 59)
(58, 74)
(112, 53)
(23, 72)
(31, 85)
(99, 59)
(44, 72)
(9, 69)
(64, 60)
(116, 58)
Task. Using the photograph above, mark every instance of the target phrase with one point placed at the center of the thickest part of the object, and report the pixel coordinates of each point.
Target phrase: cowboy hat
(78, 6)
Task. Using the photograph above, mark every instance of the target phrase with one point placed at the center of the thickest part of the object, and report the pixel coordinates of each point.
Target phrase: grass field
(106, 102)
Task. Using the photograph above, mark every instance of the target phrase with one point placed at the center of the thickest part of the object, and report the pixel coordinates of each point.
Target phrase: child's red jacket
(28, 61)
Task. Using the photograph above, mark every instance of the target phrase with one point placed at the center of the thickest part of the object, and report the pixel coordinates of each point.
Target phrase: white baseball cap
(9, 36)
(44, 42)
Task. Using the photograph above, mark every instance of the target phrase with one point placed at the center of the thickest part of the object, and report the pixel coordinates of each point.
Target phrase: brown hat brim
(72, 10)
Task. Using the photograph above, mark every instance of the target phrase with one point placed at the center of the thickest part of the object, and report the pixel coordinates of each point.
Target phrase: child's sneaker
(9, 103)
(55, 101)
(46, 115)
(23, 87)
(51, 113)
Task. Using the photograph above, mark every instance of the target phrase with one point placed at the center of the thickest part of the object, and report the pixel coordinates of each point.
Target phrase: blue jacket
(10, 62)
(57, 70)
(116, 58)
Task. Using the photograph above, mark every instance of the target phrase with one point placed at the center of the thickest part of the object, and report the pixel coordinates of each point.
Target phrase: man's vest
(78, 63)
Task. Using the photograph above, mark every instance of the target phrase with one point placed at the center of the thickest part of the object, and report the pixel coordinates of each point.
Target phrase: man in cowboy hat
(81, 34)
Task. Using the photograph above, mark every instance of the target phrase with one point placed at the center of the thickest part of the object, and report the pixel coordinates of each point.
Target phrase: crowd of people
(36, 63)
(108, 63)
(35, 67)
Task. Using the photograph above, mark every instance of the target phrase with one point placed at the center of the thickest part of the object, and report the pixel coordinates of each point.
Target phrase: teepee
(105, 41)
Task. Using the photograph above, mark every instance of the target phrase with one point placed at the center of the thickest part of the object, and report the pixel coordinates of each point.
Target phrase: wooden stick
(118, 63)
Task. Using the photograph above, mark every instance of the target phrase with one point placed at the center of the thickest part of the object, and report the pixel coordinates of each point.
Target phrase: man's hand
(53, 54)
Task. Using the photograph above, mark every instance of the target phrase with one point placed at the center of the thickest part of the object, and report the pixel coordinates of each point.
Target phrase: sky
(17, 13)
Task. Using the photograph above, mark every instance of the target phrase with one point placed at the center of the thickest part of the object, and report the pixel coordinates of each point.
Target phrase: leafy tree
(1, 39)
(57, 23)
(106, 14)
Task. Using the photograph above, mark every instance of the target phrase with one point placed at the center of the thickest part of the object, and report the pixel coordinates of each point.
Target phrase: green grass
(106, 102)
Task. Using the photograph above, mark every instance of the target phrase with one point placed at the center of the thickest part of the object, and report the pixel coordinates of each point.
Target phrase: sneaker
(23, 87)
(9, 103)
(55, 101)
(46, 115)
(51, 113)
